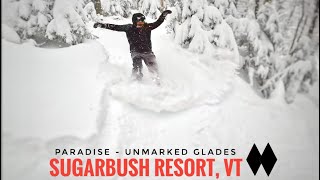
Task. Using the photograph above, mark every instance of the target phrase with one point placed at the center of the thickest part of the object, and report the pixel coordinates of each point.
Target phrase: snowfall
(83, 97)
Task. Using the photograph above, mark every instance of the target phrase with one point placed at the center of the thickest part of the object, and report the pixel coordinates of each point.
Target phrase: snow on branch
(117, 7)
(200, 28)
(68, 22)
(54, 19)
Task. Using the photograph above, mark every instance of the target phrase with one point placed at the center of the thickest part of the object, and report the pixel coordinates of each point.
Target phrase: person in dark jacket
(139, 38)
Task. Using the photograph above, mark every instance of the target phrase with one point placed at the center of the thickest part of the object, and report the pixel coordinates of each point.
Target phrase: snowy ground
(82, 96)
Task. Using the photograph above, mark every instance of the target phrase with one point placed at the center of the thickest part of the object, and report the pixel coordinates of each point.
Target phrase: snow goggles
(141, 19)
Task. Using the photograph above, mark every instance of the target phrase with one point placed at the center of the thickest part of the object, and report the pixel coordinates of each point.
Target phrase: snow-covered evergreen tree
(200, 27)
(275, 42)
(253, 46)
(117, 7)
(55, 19)
(152, 8)
(27, 17)
(68, 22)
(91, 11)
(226, 7)
(297, 69)
(135, 4)
(268, 18)
(171, 3)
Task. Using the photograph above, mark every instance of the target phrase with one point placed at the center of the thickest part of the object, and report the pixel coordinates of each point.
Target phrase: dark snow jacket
(138, 38)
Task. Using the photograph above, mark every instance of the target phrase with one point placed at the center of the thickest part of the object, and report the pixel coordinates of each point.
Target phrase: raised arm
(161, 19)
(113, 27)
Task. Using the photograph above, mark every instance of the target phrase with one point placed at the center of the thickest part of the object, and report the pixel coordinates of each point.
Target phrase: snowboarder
(139, 38)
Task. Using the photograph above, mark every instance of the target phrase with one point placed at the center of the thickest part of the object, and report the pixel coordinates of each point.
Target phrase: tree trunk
(297, 30)
(314, 20)
(162, 4)
(303, 28)
(291, 14)
(97, 5)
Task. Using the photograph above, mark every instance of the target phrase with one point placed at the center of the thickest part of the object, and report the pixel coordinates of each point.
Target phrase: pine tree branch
(256, 8)
(277, 77)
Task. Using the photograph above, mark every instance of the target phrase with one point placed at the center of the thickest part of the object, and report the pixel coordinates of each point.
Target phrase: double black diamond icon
(268, 159)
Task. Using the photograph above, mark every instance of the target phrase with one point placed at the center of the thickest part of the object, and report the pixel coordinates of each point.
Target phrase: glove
(96, 25)
(166, 12)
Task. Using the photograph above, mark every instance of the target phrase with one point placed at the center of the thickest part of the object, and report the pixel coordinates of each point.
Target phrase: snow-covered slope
(202, 103)
(58, 89)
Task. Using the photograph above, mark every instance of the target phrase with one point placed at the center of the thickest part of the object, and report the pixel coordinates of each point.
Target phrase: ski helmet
(138, 17)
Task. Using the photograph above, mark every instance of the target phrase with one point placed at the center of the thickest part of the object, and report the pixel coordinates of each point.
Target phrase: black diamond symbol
(253, 159)
(268, 159)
